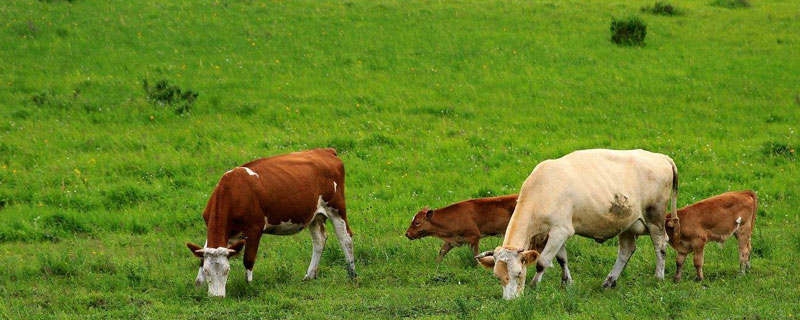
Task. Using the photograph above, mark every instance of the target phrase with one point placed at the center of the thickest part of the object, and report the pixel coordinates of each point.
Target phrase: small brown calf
(464, 222)
(713, 219)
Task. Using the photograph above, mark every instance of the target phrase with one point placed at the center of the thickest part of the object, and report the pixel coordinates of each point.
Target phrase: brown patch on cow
(501, 271)
(620, 206)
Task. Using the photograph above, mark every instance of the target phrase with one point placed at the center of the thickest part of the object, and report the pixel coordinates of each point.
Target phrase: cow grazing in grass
(279, 195)
(599, 194)
(713, 219)
(464, 222)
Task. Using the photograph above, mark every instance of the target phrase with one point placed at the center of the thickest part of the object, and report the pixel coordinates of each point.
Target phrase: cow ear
(429, 214)
(235, 248)
(529, 257)
(486, 259)
(197, 251)
(486, 262)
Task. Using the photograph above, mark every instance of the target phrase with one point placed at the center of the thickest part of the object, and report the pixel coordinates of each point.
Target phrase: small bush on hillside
(628, 31)
(662, 8)
(777, 149)
(166, 93)
(731, 4)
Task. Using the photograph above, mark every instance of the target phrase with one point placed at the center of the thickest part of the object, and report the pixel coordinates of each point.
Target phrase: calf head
(216, 265)
(421, 224)
(673, 226)
(510, 266)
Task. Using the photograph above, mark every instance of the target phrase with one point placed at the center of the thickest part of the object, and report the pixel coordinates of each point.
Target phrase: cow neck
(217, 229)
(518, 232)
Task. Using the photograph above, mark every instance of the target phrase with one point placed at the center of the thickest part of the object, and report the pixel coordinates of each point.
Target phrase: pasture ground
(428, 102)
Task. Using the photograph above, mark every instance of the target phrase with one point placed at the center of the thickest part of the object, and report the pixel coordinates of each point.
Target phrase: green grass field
(428, 103)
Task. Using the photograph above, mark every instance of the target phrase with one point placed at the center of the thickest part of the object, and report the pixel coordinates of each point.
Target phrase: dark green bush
(628, 31)
(731, 4)
(662, 8)
(777, 149)
(166, 93)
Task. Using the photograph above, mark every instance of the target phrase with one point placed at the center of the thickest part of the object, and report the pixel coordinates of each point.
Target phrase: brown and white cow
(464, 222)
(279, 195)
(713, 219)
(598, 194)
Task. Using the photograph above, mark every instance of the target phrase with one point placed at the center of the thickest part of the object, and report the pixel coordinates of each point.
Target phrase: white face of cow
(510, 266)
(215, 268)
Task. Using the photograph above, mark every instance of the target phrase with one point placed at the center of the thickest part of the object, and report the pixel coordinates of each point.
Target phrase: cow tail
(676, 233)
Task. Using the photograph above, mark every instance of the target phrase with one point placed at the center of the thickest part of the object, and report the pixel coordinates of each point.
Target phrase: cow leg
(342, 232)
(561, 257)
(697, 247)
(556, 239)
(679, 265)
(251, 251)
(318, 238)
(655, 222)
(627, 245)
(446, 247)
(201, 276)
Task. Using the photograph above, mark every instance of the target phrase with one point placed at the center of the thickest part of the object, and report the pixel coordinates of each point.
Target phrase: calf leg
(250, 252)
(446, 247)
(474, 243)
(744, 251)
(318, 238)
(561, 257)
(697, 250)
(679, 265)
(556, 239)
(627, 245)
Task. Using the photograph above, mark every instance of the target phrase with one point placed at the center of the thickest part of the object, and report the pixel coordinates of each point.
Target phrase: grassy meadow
(103, 179)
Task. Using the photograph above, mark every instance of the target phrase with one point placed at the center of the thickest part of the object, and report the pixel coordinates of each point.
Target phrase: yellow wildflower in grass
(77, 172)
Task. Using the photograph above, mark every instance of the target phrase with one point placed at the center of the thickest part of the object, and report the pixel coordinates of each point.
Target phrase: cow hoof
(609, 283)
(352, 274)
(566, 281)
(310, 277)
(698, 279)
(676, 279)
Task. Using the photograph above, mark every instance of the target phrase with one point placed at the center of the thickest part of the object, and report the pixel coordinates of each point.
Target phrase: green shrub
(662, 8)
(165, 93)
(628, 31)
(731, 4)
(777, 149)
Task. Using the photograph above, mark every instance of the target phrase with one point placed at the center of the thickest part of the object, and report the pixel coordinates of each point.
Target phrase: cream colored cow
(598, 194)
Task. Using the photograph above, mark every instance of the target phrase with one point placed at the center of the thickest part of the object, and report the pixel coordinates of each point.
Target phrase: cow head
(216, 265)
(510, 266)
(420, 225)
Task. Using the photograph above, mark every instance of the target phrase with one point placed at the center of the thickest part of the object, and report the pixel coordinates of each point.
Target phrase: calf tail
(755, 209)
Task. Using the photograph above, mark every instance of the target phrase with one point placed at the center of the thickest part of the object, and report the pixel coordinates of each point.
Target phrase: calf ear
(429, 214)
(197, 251)
(529, 257)
(235, 248)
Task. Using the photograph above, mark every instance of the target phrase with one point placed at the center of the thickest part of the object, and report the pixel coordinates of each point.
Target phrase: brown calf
(464, 222)
(713, 219)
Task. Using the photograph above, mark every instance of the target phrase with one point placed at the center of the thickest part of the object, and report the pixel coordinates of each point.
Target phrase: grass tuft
(628, 31)
(731, 4)
(662, 8)
(166, 93)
